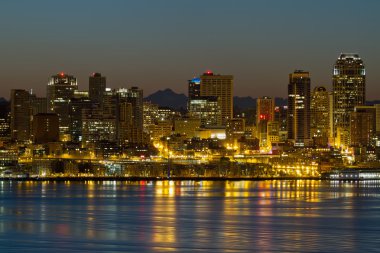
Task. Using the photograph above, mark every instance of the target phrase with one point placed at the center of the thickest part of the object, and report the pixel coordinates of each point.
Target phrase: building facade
(60, 90)
(320, 116)
(348, 90)
(220, 86)
(299, 108)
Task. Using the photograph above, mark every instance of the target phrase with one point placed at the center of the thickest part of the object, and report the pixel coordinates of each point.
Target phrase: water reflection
(277, 215)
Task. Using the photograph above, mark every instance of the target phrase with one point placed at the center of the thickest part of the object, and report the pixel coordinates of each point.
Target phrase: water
(189, 216)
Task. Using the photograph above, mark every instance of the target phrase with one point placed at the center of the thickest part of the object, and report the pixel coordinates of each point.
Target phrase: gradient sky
(161, 44)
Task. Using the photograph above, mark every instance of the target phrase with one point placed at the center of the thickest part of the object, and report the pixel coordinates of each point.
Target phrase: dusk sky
(161, 44)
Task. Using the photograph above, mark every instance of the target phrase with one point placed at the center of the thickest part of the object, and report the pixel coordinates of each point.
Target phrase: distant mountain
(168, 98)
(243, 103)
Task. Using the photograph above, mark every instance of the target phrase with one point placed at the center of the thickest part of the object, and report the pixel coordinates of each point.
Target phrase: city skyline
(257, 42)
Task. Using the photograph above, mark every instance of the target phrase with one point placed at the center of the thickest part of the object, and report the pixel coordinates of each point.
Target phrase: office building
(320, 116)
(20, 115)
(96, 88)
(299, 108)
(207, 109)
(130, 115)
(220, 86)
(45, 128)
(60, 90)
(348, 89)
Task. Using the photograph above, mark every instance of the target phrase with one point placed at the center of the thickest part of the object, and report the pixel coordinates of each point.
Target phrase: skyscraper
(264, 109)
(194, 88)
(299, 108)
(20, 115)
(60, 90)
(320, 116)
(264, 114)
(97, 87)
(348, 90)
(220, 86)
(130, 115)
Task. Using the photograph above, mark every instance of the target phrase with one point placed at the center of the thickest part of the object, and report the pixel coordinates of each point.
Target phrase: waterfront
(208, 216)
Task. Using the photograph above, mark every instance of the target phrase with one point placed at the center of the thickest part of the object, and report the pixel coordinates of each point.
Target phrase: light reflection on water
(209, 216)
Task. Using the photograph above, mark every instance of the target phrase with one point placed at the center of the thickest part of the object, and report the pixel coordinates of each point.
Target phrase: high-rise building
(235, 129)
(194, 88)
(299, 108)
(264, 109)
(363, 126)
(97, 87)
(5, 129)
(96, 128)
(320, 116)
(60, 90)
(45, 128)
(220, 86)
(20, 115)
(207, 109)
(130, 115)
(264, 114)
(348, 89)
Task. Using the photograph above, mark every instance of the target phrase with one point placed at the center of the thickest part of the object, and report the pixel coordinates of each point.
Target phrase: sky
(158, 44)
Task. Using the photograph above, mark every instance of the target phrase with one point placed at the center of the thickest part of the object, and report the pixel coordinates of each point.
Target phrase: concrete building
(220, 86)
(45, 128)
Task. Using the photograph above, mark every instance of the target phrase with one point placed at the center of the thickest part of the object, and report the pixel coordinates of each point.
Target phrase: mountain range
(169, 98)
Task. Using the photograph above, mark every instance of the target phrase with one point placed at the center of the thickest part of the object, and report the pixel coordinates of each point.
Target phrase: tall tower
(264, 114)
(130, 115)
(97, 87)
(348, 90)
(220, 86)
(20, 115)
(299, 108)
(60, 90)
(194, 88)
(320, 116)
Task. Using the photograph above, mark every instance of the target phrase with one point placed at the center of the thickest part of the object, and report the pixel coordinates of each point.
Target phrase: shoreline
(135, 179)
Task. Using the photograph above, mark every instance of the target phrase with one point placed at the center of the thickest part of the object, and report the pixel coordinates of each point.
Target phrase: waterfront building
(299, 108)
(96, 88)
(220, 86)
(320, 116)
(348, 90)
(5, 128)
(45, 128)
(60, 90)
(363, 126)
